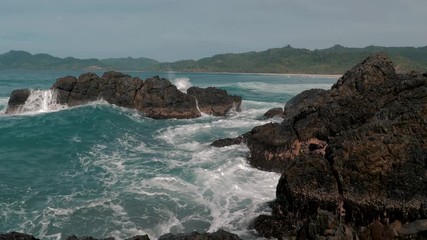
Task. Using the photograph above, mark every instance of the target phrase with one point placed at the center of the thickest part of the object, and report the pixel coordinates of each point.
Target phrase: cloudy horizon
(168, 30)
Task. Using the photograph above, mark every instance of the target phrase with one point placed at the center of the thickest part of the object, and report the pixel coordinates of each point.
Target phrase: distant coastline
(329, 62)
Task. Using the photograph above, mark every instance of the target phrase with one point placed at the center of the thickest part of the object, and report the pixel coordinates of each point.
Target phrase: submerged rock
(358, 150)
(156, 97)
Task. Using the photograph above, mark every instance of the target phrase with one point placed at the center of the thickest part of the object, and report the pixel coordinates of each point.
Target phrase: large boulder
(156, 97)
(17, 99)
(358, 150)
(214, 101)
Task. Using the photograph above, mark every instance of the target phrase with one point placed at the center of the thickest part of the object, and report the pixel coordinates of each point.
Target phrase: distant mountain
(334, 60)
(24, 60)
(129, 64)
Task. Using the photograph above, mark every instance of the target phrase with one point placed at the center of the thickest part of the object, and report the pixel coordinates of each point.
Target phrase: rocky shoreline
(353, 158)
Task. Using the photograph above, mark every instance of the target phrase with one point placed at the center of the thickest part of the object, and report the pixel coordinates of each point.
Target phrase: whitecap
(292, 89)
(40, 101)
(182, 84)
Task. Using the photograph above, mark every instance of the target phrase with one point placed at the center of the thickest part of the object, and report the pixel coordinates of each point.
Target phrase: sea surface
(105, 171)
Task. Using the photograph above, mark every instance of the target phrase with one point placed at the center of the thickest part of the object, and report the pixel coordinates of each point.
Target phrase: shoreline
(245, 73)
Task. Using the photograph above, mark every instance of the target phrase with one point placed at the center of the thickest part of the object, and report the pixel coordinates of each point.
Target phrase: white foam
(3, 104)
(40, 101)
(182, 84)
(282, 88)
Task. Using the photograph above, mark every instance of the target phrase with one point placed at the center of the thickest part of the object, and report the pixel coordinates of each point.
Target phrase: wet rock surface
(17, 99)
(357, 151)
(214, 101)
(156, 97)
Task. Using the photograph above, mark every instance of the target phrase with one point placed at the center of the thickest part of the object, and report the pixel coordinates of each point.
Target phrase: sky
(170, 30)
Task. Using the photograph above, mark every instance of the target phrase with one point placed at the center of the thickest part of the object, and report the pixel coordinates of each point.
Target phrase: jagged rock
(273, 227)
(17, 99)
(156, 97)
(139, 237)
(214, 101)
(358, 150)
(218, 235)
(17, 236)
(274, 112)
(224, 142)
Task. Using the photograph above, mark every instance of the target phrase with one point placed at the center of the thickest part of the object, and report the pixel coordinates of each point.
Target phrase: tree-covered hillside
(334, 60)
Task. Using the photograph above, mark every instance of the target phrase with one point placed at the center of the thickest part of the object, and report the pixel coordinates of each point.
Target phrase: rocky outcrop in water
(17, 99)
(155, 97)
(214, 101)
(353, 158)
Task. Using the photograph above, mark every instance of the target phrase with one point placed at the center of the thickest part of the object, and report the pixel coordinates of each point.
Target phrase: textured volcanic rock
(16, 236)
(358, 150)
(17, 99)
(155, 97)
(214, 101)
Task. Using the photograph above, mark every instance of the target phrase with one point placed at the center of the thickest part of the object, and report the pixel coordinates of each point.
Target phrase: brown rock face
(17, 99)
(358, 150)
(214, 101)
(155, 97)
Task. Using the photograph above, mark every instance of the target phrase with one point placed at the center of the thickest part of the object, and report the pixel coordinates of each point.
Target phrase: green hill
(334, 60)
(24, 60)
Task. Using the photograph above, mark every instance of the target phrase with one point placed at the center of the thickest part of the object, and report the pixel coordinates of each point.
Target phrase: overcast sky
(170, 30)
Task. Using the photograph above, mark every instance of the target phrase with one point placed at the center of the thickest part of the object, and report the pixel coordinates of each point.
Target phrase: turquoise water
(102, 171)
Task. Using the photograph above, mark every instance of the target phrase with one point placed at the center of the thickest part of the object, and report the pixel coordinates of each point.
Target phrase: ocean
(105, 171)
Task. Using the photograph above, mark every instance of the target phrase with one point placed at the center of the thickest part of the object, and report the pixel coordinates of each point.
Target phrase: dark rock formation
(155, 97)
(358, 151)
(214, 101)
(230, 141)
(16, 236)
(218, 235)
(139, 237)
(274, 112)
(17, 99)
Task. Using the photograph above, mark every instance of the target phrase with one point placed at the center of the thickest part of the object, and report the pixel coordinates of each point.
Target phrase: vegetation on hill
(334, 60)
